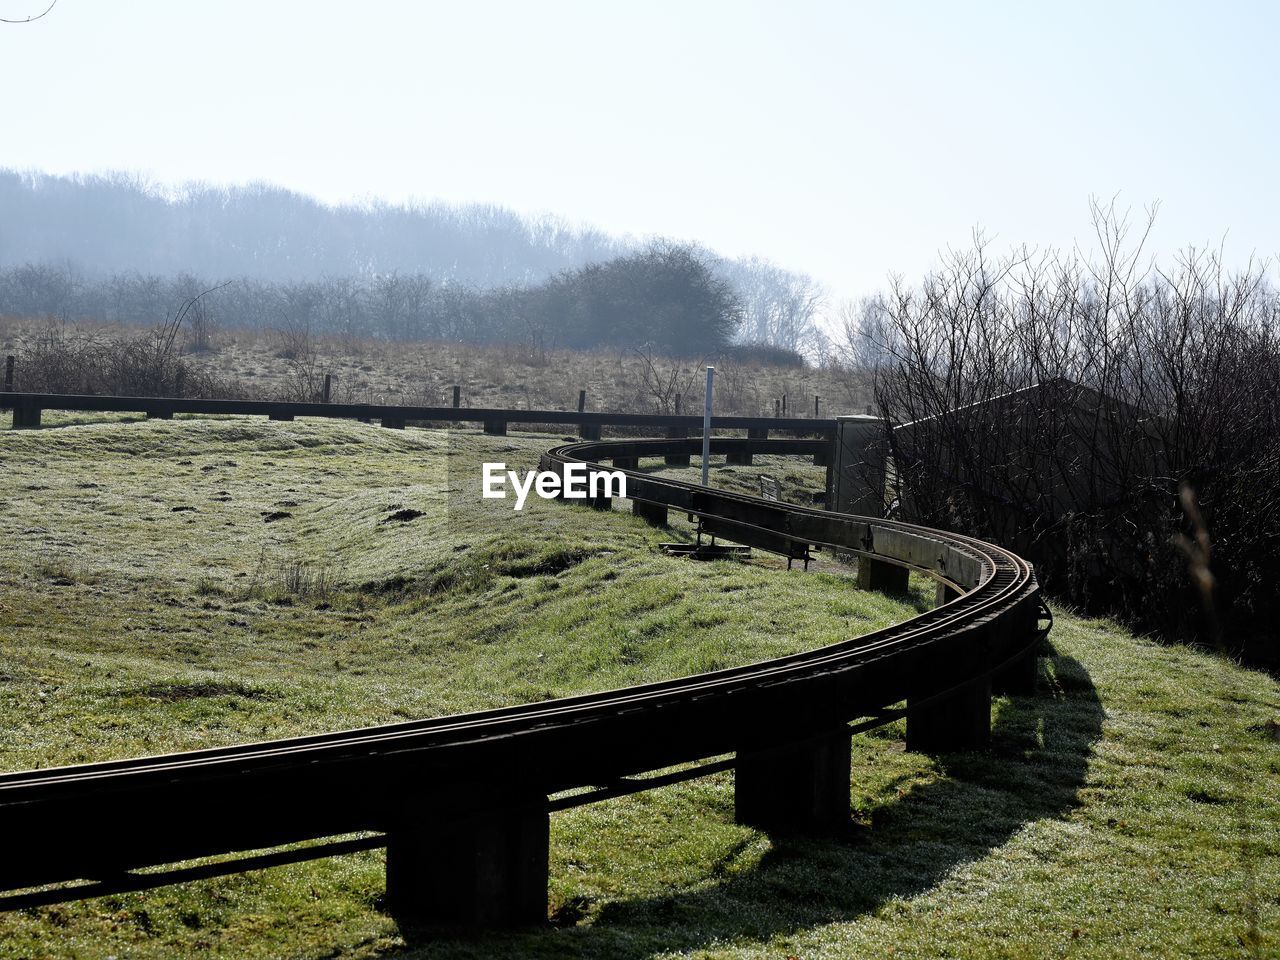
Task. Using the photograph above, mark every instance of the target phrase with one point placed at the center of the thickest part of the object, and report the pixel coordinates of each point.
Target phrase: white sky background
(847, 140)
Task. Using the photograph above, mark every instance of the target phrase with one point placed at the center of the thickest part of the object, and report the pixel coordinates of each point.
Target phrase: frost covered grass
(177, 584)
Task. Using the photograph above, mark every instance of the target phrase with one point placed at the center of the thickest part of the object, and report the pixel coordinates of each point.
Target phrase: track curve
(97, 821)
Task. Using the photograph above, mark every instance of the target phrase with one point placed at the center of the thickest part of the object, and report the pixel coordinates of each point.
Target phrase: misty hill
(111, 248)
(116, 224)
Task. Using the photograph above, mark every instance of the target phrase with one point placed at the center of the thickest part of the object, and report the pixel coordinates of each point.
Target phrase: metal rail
(461, 802)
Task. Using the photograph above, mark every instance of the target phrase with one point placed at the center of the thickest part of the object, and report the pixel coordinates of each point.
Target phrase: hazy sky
(843, 139)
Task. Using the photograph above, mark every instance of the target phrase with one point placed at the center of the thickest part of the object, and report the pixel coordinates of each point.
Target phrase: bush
(145, 364)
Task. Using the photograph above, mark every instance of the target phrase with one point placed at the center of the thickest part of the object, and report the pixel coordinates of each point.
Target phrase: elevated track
(462, 802)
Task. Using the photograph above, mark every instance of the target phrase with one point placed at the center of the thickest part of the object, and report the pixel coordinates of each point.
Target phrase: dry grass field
(293, 365)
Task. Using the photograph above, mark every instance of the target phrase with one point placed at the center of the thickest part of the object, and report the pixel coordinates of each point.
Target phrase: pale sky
(847, 140)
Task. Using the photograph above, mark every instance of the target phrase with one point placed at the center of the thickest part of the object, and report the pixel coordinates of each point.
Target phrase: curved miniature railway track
(462, 802)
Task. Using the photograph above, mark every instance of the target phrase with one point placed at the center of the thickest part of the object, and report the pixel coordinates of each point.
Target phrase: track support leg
(654, 514)
(795, 788)
(488, 870)
(677, 459)
(26, 416)
(1018, 678)
(497, 428)
(160, 415)
(393, 423)
(877, 575)
(959, 721)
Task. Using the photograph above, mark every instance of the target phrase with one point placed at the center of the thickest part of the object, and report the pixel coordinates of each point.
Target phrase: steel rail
(88, 821)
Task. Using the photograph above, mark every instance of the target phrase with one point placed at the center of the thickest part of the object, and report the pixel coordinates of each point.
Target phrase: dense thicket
(1062, 405)
(110, 248)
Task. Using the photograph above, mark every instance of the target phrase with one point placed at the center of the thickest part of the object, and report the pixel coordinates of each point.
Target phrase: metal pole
(706, 427)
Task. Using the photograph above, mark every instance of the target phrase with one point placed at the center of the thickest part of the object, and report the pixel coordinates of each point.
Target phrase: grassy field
(191, 583)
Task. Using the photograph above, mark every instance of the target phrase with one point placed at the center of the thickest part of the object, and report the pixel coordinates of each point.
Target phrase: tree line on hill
(112, 249)
(666, 297)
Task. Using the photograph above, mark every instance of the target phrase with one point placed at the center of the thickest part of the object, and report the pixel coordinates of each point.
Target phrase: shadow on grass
(1038, 760)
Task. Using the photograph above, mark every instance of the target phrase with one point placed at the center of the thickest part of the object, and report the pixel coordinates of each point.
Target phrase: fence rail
(27, 408)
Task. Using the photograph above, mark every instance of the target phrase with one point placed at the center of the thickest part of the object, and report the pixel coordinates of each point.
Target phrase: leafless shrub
(293, 338)
(664, 380)
(202, 324)
(65, 359)
(1059, 403)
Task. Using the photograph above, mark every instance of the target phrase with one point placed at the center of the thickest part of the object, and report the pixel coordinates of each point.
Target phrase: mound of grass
(383, 588)
(1127, 810)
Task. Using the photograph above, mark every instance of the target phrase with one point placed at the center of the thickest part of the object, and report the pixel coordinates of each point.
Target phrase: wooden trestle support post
(487, 868)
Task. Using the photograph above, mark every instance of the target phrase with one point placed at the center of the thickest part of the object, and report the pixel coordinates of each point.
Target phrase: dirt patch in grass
(403, 516)
(196, 690)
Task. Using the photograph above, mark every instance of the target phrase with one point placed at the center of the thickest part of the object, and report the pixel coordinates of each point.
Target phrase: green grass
(147, 603)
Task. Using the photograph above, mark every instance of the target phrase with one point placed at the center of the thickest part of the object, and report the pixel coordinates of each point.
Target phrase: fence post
(777, 407)
(706, 426)
(457, 397)
(9, 361)
(815, 406)
(677, 404)
(784, 404)
(582, 400)
(179, 381)
(328, 383)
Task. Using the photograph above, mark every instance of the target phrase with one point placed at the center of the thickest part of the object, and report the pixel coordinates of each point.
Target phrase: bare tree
(1058, 403)
(33, 17)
